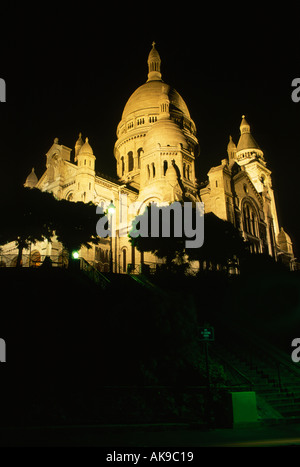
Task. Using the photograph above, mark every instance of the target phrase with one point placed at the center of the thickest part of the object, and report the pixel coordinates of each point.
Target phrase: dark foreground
(66, 340)
(150, 436)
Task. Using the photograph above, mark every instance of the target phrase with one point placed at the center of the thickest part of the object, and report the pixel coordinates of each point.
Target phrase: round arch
(146, 202)
(70, 196)
(35, 259)
(124, 258)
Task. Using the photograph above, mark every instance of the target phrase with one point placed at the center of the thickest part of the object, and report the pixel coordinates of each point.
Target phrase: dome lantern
(78, 145)
(154, 62)
(244, 126)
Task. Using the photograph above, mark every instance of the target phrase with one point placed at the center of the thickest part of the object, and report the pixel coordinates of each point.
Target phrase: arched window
(188, 172)
(35, 259)
(130, 161)
(246, 216)
(148, 171)
(153, 169)
(139, 151)
(250, 222)
(124, 260)
(184, 171)
(165, 167)
(122, 166)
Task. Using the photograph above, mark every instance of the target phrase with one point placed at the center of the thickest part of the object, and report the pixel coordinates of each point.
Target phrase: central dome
(143, 111)
(146, 100)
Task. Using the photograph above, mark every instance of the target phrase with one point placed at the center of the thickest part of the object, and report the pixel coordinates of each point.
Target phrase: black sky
(73, 69)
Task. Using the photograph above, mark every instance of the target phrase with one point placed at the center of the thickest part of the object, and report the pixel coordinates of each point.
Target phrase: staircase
(250, 362)
(267, 370)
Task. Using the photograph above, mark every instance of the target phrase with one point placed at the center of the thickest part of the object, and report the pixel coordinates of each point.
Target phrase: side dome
(31, 180)
(284, 241)
(86, 148)
(246, 140)
(163, 133)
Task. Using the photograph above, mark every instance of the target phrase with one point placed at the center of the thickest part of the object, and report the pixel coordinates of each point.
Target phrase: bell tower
(85, 177)
(251, 157)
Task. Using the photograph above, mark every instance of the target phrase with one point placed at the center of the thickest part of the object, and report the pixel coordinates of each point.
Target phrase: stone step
(283, 403)
(286, 409)
(278, 396)
(290, 414)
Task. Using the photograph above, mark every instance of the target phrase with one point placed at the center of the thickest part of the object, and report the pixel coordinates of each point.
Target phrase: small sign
(207, 333)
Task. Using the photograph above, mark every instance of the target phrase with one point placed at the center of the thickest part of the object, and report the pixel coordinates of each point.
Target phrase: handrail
(270, 351)
(250, 383)
(94, 274)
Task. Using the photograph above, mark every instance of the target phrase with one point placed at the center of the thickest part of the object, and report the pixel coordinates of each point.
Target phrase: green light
(75, 254)
(111, 208)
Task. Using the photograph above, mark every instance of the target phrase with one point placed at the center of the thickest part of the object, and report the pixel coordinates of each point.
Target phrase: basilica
(155, 154)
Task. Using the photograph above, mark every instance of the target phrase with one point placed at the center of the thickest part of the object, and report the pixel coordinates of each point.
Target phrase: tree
(222, 242)
(25, 218)
(163, 247)
(75, 224)
(30, 215)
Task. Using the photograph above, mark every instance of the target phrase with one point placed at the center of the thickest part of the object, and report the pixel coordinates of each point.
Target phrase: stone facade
(155, 156)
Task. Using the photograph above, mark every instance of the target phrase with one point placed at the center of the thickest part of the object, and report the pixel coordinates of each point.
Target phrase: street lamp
(111, 210)
(75, 254)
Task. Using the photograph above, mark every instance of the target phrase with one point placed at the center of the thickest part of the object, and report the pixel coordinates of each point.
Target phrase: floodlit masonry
(155, 155)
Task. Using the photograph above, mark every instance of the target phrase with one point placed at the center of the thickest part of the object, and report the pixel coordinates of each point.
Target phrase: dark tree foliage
(75, 224)
(222, 241)
(168, 248)
(30, 215)
(26, 217)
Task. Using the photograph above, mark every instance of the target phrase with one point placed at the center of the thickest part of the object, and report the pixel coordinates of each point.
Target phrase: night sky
(73, 71)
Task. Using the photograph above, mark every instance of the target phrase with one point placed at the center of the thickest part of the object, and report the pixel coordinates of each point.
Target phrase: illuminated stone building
(240, 190)
(155, 156)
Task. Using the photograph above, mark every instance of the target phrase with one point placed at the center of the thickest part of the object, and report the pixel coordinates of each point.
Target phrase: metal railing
(93, 274)
(258, 353)
(238, 379)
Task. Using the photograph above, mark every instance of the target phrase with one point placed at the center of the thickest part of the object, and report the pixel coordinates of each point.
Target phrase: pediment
(244, 187)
